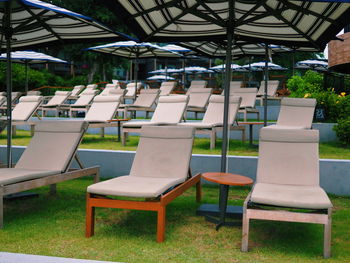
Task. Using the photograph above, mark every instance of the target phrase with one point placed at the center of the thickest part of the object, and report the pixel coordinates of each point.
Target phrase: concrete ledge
(334, 174)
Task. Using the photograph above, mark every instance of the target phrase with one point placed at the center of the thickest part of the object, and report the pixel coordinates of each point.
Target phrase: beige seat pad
(312, 197)
(274, 126)
(16, 175)
(134, 186)
(200, 125)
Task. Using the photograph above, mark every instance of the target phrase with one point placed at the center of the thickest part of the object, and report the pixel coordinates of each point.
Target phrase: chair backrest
(132, 89)
(59, 98)
(2, 99)
(108, 89)
(199, 97)
(167, 87)
(163, 152)
(297, 112)
(146, 98)
(14, 97)
(272, 86)
(77, 89)
(170, 109)
(196, 84)
(236, 84)
(85, 99)
(89, 88)
(26, 107)
(53, 145)
(248, 96)
(115, 81)
(215, 109)
(119, 91)
(34, 93)
(103, 108)
(288, 156)
(3, 93)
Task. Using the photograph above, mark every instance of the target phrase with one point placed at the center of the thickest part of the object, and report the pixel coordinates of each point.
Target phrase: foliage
(343, 130)
(311, 82)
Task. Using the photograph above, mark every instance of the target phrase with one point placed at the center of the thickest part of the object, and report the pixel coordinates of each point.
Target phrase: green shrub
(311, 82)
(343, 130)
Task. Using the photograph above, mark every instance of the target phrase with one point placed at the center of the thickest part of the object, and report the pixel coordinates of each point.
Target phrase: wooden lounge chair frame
(158, 205)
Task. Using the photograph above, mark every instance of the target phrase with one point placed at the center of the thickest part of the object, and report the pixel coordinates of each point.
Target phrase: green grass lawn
(332, 150)
(53, 225)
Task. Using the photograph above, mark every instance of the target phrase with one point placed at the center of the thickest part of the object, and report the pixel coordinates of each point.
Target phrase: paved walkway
(24, 258)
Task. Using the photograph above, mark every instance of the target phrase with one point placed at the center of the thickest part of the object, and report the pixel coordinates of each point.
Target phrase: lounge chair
(167, 87)
(272, 86)
(81, 104)
(109, 87)
(14, 98)
(132, 90)
(199, 99)
(160, 172)
(295, 113)
(2, 99)
(55, 102)
(248, 96)
(75, 92)
(196, 84)
(34, 93)
(169, 111)
(46, 160)
(212, 122)
(288, 178)
(144, 102)
(88, 89)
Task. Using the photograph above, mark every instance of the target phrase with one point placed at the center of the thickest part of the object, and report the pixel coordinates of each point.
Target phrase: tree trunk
(92, 72)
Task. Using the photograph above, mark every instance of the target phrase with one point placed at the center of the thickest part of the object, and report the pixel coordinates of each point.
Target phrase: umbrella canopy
(234, 67)
(260, 66)
(289, 22)
(164, 71)
(31, 57)
(134, 50)
(32, 23)
(160, 77)
(314, 64)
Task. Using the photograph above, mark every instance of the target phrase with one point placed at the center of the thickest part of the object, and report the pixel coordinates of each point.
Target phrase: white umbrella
(260, 66)
(234, 67)
(314, 64)
(32, 23)
(160, 77)
(31, 57)
(164, 71)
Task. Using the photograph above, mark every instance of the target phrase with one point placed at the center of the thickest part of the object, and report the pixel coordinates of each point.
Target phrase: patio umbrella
(288, 22)
(29, 23)
(315, 64)
(260, 66)
(31, 57)
(135, 50)
(160, 77)
(234, 67)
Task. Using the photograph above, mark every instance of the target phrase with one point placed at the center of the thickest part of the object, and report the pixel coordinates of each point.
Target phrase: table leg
(222, 204)
(250, 134)
(118, 131)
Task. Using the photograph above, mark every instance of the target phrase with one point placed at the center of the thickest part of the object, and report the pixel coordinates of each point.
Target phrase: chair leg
(243, 135)
(327, 235)
(53, 189)
(102, 132)
(90, 218)
(1, 211)
(245, 115)
(161, 224)
(245, 231)
(212, 140)
(198, 191)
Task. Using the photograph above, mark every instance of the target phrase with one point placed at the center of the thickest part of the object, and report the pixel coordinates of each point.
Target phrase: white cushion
(298, 196)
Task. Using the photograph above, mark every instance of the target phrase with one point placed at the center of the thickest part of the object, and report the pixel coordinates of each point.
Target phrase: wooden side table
(118, 126)
(251, 129)
(225, 180)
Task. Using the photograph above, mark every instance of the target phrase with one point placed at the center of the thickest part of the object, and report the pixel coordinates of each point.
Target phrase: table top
(112, 120)
(227, 178)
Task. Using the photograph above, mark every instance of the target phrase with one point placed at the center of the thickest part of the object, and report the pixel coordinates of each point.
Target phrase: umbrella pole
(266, 79)
(226, 87)
(27, 79)
(184, 73)
(8, 36)
(136, 75)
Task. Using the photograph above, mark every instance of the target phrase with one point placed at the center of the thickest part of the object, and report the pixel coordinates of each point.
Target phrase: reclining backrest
(297, 112)
(14, 97)
(235, 84)
(248, 96)
(109, 87)
(196, 84)
(288, 156)
(103, 108)
(26, 107)
(77, 89)
(89, 88)
(163, 151)
(199, 97)
(170, 109)
(167, 87)
(59, 98)
(120, 92)
(86, 98)
(2, 99)
(272, 86)
(147, 98)
(215, 110)
(131, 89)
(33, 93)
(53, 145)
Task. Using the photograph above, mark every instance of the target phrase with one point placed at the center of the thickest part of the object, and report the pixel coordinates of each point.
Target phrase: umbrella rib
(241, 19)
(211, 11)
(29, 20)
(43, 24)
(279, 16)
(156, 8)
